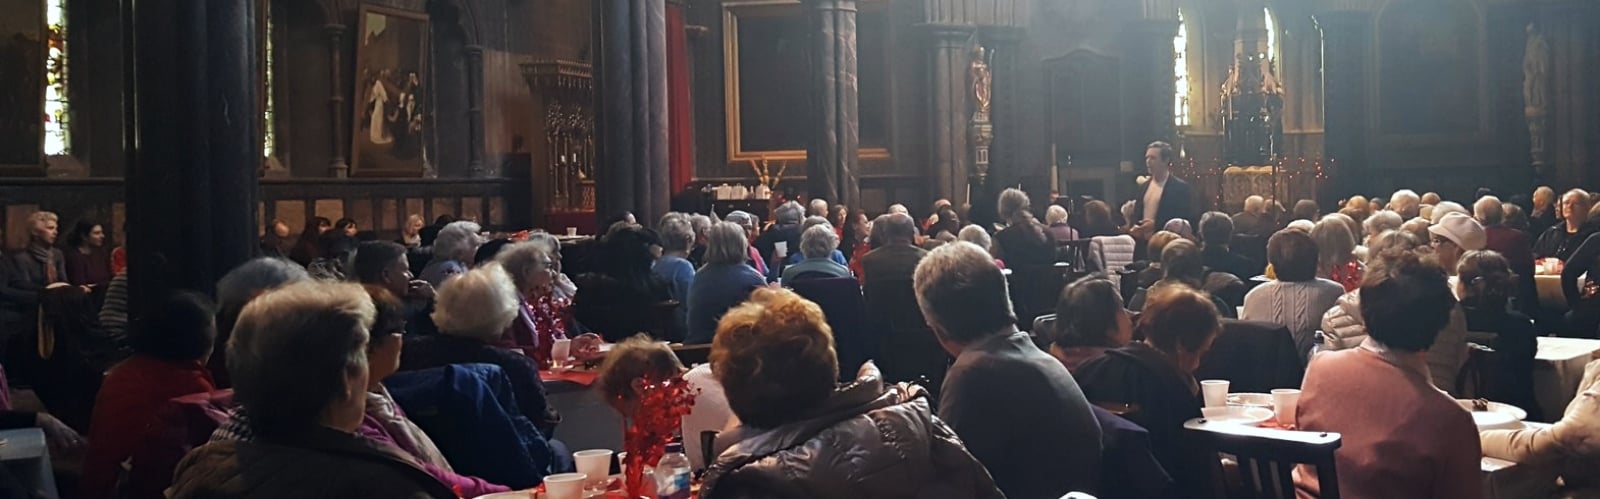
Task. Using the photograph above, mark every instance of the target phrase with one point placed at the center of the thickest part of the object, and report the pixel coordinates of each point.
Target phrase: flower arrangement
(764, 173)
(662, 406)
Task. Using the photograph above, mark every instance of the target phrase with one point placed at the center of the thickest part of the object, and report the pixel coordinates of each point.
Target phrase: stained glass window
(57, 129)
(268, 109)
(1180, 70)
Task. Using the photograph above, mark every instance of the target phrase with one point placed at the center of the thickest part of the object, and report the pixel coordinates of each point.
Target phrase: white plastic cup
(572, 232)
(596, 463)
(564, 486)
(781, 248)
(1285, 402)
(1215, 392)
(560, 351)
(622, 463)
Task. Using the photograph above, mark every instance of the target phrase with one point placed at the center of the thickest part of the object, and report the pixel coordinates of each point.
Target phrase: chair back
(1034, 290)
(664, 321)
(906, 348)
(1266, 458)
(1477, 374)
(1252, 246)
(1256, 356)
(841, 301)
(691, 355)
(1075, 252)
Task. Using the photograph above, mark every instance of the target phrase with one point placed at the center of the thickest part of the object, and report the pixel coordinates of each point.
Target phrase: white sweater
(1295, 305)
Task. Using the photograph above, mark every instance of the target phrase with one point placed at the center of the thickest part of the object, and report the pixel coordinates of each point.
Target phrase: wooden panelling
(331, 209)
(292, 213)
(389, 217)
(361, 211)
(472, 209)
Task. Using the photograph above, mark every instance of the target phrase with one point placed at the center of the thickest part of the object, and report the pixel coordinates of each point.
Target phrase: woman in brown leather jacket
(804, 437)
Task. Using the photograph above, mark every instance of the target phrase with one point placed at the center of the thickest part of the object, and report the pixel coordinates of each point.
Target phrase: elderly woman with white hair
(976, 235)
(818, 244)
(749, 223)
(1406, 202)
(473, 311)
(41, 263)
(301, 372)
(836, 256)
(673, 267)
(724, 282)
(1056, 218)
(453, 252)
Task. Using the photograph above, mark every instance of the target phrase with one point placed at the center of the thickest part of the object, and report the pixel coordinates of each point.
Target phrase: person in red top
(170, 345)
(1515, 245)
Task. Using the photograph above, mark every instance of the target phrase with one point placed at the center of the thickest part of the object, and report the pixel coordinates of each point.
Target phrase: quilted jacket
(866, 441)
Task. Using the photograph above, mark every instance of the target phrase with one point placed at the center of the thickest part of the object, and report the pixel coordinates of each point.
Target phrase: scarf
(406, 434)
(47, 256)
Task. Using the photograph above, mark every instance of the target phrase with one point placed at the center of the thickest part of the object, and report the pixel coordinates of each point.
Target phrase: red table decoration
(662, 406)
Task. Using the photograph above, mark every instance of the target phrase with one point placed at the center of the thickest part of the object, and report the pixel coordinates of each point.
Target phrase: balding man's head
(1489, 211)
(1543, 197)
(1255, 205)
(899, 228)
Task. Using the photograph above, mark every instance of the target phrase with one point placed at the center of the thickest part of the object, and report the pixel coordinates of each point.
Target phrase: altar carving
(982, 128)
(563, 151)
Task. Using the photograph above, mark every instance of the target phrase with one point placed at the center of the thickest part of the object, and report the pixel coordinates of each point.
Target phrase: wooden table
(1550, 295)
(1557, 371)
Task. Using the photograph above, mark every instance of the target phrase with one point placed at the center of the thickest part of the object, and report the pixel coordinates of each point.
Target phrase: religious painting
(1428, 68)
(767, 78)
(391, 94)
(22, 51)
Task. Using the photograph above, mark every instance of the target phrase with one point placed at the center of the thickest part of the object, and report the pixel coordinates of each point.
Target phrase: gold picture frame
(406, 87)
(733, 116)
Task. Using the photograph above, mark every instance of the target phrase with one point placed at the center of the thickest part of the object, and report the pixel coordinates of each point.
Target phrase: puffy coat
(1342, 329)
(323, 463)
(867, 441)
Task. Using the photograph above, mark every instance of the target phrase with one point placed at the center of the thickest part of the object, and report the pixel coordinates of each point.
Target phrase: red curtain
(680, 129)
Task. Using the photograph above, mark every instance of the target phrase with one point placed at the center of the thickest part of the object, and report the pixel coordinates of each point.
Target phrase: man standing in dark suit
(1165, 196)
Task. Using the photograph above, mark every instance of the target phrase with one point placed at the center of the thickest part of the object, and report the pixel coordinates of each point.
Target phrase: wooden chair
(1266, 458)
(1477, 374)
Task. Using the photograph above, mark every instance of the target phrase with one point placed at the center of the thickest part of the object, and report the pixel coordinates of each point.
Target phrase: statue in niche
(982, 81)
(1535, 99)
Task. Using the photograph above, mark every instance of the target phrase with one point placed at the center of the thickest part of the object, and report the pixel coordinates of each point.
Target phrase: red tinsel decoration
(662, 406)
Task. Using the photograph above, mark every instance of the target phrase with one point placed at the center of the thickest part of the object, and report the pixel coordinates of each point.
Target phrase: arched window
(57, 129)
(1272, 34)
(269, 115)
(1180, 71)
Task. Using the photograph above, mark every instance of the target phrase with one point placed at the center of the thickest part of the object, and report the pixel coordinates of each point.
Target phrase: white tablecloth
(1557, 371)
(28, 458)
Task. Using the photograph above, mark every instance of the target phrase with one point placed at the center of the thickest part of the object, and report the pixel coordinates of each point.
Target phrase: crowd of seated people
(695, 279)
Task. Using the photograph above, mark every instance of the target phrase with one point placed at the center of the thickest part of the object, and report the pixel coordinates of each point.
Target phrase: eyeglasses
(1436, 240)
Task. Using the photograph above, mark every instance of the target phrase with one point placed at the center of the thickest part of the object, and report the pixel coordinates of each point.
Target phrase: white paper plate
(1499, 416)
(1250, 399)
(1235, 414)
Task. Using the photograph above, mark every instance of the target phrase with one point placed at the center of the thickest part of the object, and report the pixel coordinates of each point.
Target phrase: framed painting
(392, 94)
(764, 49)
(22, 53)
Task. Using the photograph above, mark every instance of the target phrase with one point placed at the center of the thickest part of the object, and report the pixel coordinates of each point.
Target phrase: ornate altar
(563, 154)
(1252, 102)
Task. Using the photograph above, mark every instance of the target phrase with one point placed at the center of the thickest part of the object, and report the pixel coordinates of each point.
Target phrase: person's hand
(1143, 230)
(420, 289)
(58, 435)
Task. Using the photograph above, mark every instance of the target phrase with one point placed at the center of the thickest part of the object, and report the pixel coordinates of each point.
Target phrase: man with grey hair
(1249, 220)
(836, 256)
(674, 268)
(1512, 244)
(453, 252)
(236, 289)
(898, 208)
(819, 208)
(818, 244)
(781, 239)
(1406, 203)
(897, 256)
(699, 224)
(1017, 408)
(723, 283)
(1543, 215)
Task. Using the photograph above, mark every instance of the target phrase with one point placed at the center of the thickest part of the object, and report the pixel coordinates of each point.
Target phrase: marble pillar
(632, 172)
(952, 93)
(1346, 52)
(192, 185)
(833, 129)
(338, 167)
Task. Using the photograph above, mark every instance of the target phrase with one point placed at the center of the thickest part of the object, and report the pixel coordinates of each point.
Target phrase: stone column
(337, 167)
(952, 111)
(1346, 51)
(834, 128)
(1005, 152)
(475, 113)
(632, 167)
(192, 188)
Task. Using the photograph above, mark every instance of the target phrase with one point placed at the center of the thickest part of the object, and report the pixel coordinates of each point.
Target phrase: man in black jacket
(1165, 196)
